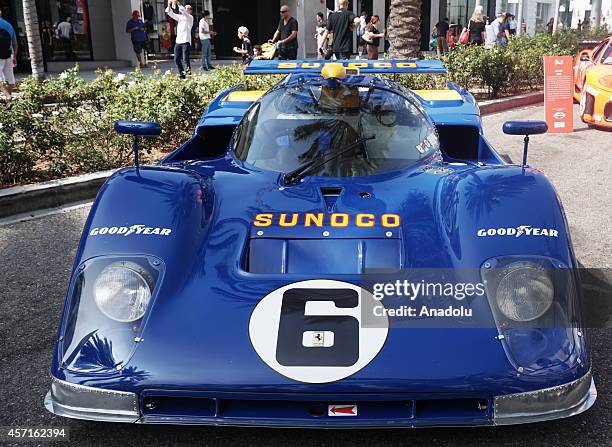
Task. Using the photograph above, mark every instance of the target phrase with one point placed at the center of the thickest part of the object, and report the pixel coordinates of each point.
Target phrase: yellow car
(593, 84)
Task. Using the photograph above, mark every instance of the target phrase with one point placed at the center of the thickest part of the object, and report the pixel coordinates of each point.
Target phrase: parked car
(228, 284)
(593, 84)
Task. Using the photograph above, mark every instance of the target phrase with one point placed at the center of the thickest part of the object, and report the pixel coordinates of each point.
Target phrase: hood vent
(323, 256)
(330, 195)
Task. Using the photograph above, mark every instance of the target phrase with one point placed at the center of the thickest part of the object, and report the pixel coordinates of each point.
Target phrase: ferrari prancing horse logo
(312, 332)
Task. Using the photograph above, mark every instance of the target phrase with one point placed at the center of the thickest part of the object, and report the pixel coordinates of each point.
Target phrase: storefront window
(65, 30)
(460, 11)
(542, 15)
(509, 6)
(162, 31)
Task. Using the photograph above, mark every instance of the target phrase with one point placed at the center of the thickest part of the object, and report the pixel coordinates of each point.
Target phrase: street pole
(596, 13)
(556, 22)
(519, 18)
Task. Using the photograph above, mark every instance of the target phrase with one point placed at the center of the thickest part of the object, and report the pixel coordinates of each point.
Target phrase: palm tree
(30, 17)
(404, 28)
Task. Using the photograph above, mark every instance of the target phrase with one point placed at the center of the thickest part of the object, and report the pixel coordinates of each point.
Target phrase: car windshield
(298, 124)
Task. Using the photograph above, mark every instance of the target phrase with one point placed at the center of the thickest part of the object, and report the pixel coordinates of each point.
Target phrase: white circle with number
(318, 331)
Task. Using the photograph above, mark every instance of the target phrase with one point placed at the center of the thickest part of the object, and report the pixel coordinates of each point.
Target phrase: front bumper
(597, 107)
(82, 402)
(96, 404)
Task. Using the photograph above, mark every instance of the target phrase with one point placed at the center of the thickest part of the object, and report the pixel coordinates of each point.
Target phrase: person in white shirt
(184, 20)
(498, 29)
(319, 31)
(362, 44)
(489, 35)
(512, 25)
(205, 36)
(65, 33)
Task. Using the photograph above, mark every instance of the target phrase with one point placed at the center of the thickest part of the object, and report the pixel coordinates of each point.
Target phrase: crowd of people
(480, 30)
(333, 36)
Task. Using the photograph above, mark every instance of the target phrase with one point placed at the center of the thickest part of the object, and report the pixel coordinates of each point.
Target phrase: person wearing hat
(137, 30)
(66, 34)
(245, 50)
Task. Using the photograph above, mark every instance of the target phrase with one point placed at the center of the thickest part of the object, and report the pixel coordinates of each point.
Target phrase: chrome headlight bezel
(533, 345)
(92, 340)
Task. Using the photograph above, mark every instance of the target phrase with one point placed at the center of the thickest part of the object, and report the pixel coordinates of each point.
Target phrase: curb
(51, 194)
(57, 193)
(500, 105)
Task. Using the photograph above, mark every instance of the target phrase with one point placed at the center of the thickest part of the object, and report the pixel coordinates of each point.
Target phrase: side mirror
(137, 129)
(525, 128)
(585, 57)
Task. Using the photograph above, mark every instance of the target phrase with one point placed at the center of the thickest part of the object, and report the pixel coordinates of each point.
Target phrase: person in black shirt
(286, 35)
(373, 37)
(441, 30)
(246, 51)
(477, 28)
(341, 24)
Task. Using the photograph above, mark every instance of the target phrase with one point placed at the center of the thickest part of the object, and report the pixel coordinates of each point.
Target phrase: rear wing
(363, 66)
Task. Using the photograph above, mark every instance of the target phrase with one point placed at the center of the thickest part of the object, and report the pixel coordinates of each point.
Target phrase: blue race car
(275, 270)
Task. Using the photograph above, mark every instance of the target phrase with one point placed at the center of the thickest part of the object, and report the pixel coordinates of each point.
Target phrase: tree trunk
(30, 18)
(404, 28)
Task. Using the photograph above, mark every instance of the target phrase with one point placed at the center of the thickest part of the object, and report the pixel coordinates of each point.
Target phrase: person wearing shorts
(341, 24)
(8, 57)
(137, 30)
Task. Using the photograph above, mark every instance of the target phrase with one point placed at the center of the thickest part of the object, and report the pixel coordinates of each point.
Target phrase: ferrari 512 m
(338, 251)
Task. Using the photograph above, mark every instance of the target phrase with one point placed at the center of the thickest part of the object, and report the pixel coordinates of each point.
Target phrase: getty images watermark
(505, 293)
(415, 292)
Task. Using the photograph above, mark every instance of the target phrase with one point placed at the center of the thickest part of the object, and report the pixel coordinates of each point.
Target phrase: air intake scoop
(330, 195)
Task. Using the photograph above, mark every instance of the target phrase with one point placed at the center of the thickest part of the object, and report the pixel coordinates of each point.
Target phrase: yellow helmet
(333, 70)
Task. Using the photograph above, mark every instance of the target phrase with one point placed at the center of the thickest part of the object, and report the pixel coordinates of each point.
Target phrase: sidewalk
(161, 65)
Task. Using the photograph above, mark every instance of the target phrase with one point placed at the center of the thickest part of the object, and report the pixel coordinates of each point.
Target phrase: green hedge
(515, 67)
(64, 126)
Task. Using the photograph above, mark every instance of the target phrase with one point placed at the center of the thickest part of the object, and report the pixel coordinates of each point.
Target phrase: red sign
(558, 98)
(342, 410)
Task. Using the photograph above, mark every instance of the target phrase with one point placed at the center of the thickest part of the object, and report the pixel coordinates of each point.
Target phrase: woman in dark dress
(477, 28)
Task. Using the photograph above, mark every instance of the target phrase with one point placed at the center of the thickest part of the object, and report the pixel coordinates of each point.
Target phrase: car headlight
(122, 291)
(606, 81)
(525, 291)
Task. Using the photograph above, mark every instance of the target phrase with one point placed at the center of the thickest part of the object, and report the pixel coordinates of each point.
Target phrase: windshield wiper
(297, 174)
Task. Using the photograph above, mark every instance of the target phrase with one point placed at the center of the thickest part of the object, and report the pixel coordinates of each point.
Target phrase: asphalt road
(37, 256)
